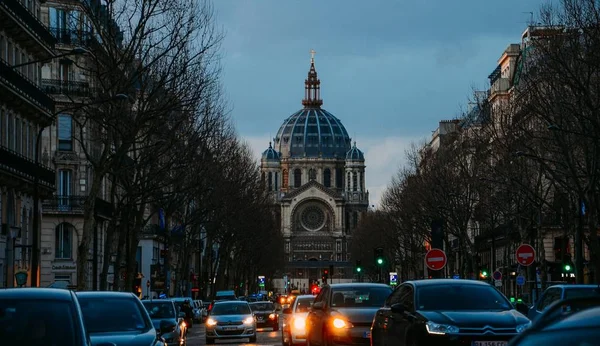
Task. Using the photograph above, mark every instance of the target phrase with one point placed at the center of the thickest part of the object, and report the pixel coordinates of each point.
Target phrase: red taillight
(210, 307)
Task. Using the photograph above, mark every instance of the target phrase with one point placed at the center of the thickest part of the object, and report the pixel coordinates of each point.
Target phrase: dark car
(447, 312)
(580, 328)
(167, 321)
(41, 316)
(557, 293)
(551, 320)
(119, 318)
(343, 313)
(265, 314)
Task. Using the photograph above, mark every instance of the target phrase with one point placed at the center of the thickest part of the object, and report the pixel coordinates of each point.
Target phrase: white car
(231, 319)
(294, 321)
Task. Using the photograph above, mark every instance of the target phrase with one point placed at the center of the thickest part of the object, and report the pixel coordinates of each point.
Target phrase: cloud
(383, 158)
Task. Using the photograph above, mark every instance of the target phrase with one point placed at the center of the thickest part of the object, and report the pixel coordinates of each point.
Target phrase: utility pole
(579, 243)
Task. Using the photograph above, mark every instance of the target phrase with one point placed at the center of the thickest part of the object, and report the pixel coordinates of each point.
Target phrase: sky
(390, 70)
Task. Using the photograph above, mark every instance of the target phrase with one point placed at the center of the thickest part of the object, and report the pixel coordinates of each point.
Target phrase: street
(265, 337)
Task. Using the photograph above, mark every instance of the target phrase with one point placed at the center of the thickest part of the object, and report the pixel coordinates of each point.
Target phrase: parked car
(441, 311)
(230, 319)
(265, 314)
(556, 293)
(117, 318)
(343, 313)
(294, 321)
(167, 321)
(41, 316)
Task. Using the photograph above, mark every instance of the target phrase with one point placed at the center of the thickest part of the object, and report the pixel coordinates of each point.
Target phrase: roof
(358, 284)
(270, 154)
(231, 301)
(312, 183)
(36, 293)
(573, 286)
(105, 294)
(436, 282)
(354, 154)
(312, 133)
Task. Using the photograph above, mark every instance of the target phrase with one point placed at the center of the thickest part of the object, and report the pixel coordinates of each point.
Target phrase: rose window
(313, 218)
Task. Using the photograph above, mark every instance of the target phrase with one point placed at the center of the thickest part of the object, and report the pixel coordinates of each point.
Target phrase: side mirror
(181, 315)
(287, 311)
(167, 326)
(318, 306)
(397, 308)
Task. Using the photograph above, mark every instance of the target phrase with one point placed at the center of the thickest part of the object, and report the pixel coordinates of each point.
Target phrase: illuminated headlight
(211, 322)
(249, 320)
(271, 316)
(340, 323)
(299, 323)
(522, 327)
(440, 329)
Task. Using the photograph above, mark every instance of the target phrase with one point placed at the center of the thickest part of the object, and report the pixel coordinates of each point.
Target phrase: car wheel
(210, 341)
(252, 339)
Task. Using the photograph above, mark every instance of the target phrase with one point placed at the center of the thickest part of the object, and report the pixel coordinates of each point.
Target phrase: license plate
(229, 328)
(366, 335)
(490, 343)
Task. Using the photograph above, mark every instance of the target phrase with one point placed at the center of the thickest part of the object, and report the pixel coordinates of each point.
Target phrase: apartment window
(32, 141)
(10, 132)
(2, 125)
(2, 49)
(65, 132)
(18, 136)
(26, 139)
(63, 244)
(17, 56)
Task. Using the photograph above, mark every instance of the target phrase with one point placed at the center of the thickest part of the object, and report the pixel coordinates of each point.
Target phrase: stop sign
(435, 259)
(525, 255)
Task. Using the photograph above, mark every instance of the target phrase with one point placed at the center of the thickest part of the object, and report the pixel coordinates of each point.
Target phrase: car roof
(157, 301)
(304, 296)
(105, 294)
(231, 302)
(446, 282)
(588, 318)
(32, 293)
(572, 286)
(260, 302)
(358, 284)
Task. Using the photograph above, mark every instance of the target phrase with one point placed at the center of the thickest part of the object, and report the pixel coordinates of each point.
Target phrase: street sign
(456, 276)
(435, 259)
(393, 278)
(498, 283)
(520, 280)
(525, 255)
(497, 275)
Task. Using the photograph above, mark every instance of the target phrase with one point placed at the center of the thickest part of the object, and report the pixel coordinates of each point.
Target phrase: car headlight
(211, 322)
(299, 323)
(271, 316)
(340, 323)
(249, 320)
(522, 327)
(440, 329)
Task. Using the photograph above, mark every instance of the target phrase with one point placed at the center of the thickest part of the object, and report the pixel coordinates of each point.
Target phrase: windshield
(105, 315)
(581, 292)
(460, 297)
(36, 322)
(359, 297)
(230, 309)
(262, 306)
(159, 310)
(303, 304)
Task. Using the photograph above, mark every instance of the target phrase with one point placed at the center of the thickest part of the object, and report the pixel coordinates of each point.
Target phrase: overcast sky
(389, 69)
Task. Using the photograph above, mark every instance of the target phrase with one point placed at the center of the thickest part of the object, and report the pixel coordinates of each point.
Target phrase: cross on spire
(312, 86)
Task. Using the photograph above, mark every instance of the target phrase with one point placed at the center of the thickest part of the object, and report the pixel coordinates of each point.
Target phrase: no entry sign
(435, 259)
(525, 255)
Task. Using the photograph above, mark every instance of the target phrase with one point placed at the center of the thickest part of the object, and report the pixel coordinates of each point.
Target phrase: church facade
(316, 177)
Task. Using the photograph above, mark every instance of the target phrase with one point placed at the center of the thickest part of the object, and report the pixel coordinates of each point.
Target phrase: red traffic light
(326, 271)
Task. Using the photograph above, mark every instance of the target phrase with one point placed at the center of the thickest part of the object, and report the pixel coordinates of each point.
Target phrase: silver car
(230, 320)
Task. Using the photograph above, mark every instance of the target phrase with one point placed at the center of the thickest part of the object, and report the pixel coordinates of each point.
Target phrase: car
(556, 293)
(581, 327)
(169, 323)
(447, 311)
(265, 314)
(41, 316)
(343, 313)
(117, 318)
(225, 295)
(231, 319)
(294, 321)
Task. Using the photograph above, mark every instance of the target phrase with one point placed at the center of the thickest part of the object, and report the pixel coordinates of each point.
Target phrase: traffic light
(379, 260)
(325, 276)
(137, 286)
(358, 267)
(483, 274)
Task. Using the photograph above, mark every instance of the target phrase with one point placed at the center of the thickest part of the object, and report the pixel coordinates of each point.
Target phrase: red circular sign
(435, 259)
(525, 255)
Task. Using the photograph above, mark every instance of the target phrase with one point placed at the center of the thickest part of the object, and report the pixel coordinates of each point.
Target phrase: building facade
(316, 177)
(24, 110)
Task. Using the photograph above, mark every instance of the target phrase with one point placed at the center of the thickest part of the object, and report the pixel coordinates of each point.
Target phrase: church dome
(355, 154)
(312, 132)
(270, 154)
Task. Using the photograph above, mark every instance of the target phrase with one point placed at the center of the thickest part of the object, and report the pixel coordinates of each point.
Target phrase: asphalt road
(265, 337)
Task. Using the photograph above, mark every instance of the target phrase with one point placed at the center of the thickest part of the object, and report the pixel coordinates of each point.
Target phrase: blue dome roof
(312, 132)
(355, 154)
(270, 154)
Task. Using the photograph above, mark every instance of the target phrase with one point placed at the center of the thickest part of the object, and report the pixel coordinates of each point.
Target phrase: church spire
(312, 86)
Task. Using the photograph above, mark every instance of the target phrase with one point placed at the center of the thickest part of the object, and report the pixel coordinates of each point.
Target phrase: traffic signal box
(379, 259)
(325, 276)
(358, 267)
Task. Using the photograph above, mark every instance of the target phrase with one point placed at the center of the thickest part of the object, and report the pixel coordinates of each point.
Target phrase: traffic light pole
(579, 245)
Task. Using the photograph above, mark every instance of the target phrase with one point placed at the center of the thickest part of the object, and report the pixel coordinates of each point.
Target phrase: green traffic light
(484, 273)
(567, 267)
(359, 269)
(380, 261)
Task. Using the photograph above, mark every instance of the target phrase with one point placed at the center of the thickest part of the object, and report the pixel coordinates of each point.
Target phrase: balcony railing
(16, 9)
(75, 205)
(15, 163)
(24, 87)
(73, 37)
(501, 85)
(69, 88)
